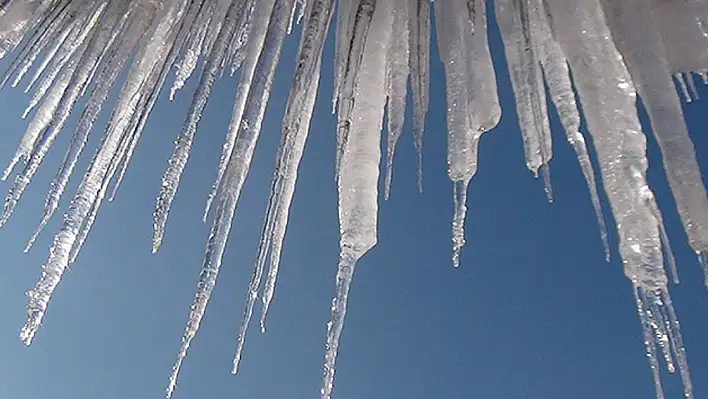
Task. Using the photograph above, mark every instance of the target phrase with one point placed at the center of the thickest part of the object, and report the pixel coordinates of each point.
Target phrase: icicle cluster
(67, 50)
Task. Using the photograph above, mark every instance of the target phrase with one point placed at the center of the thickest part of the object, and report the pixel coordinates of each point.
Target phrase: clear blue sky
(534, 312)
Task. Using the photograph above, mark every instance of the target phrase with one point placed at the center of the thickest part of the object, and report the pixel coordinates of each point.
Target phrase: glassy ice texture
(598, 56)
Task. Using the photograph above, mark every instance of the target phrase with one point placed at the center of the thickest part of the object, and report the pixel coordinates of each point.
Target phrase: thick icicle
(350, 71)
(237, 169)
(608, 99)
(647, 61)
(420, 74)
(358, 178)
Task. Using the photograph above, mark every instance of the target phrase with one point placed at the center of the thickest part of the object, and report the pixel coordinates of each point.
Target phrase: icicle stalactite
(647, 61)
(397, 83)
(420, 74)
(296, 126)
(358, 177)
(105, 81)
(68, 51)
(88, 191)
(72, 81)
(349, 70)
(183, 143)
(17, 19)
(560, 88)
(473, 105)
(255, 45)
(236, 171)
(51, 94)
(521, 38)
(609, 100)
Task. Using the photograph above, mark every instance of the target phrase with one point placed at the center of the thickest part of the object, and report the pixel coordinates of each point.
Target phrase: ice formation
(69, 50)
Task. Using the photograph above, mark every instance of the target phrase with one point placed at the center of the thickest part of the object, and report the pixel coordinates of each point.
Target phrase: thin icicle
(105, 82)
(646, 57)
(238, 167)
(649, 342)
(87, 193)
(59, 20)
(557, 76)
(48, 107)
(194, 50)
(346, 13)
(473, 104)
(183, 143)
(255, 45)
(398, 69)
(296, 125)
(608, 98)
(420, 74)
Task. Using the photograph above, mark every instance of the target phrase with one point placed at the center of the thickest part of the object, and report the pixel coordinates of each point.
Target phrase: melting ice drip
(614, 49)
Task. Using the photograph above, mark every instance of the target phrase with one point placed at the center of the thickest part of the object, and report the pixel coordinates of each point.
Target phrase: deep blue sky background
(534, 311)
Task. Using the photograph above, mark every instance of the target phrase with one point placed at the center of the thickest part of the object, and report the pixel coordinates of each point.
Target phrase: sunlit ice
(591, 59)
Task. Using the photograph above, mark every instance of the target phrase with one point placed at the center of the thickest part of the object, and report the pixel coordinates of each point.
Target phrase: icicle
(194, 48)
(358, 178)
(557, 76)
(105, 82)
(346, 13)
(52, 118)
(296, 125)
(615, 51)
(183, 143)
(239, 46)
(18, 18)
(420, 74)
(649, 343)
(42, 43)
(646, 59)
(40, 40)
(608, 98)
(255, 45)
(473, 105)
(48, 107)
(237, 169)
(520, 32)
(349, 73)
(88, 191)
(397, 78)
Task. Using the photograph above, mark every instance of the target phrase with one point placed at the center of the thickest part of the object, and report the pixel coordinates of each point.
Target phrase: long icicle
(296, 125)
(357, 180)
(237, 169)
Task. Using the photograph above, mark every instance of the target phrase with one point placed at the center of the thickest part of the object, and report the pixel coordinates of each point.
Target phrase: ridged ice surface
(598, 56)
